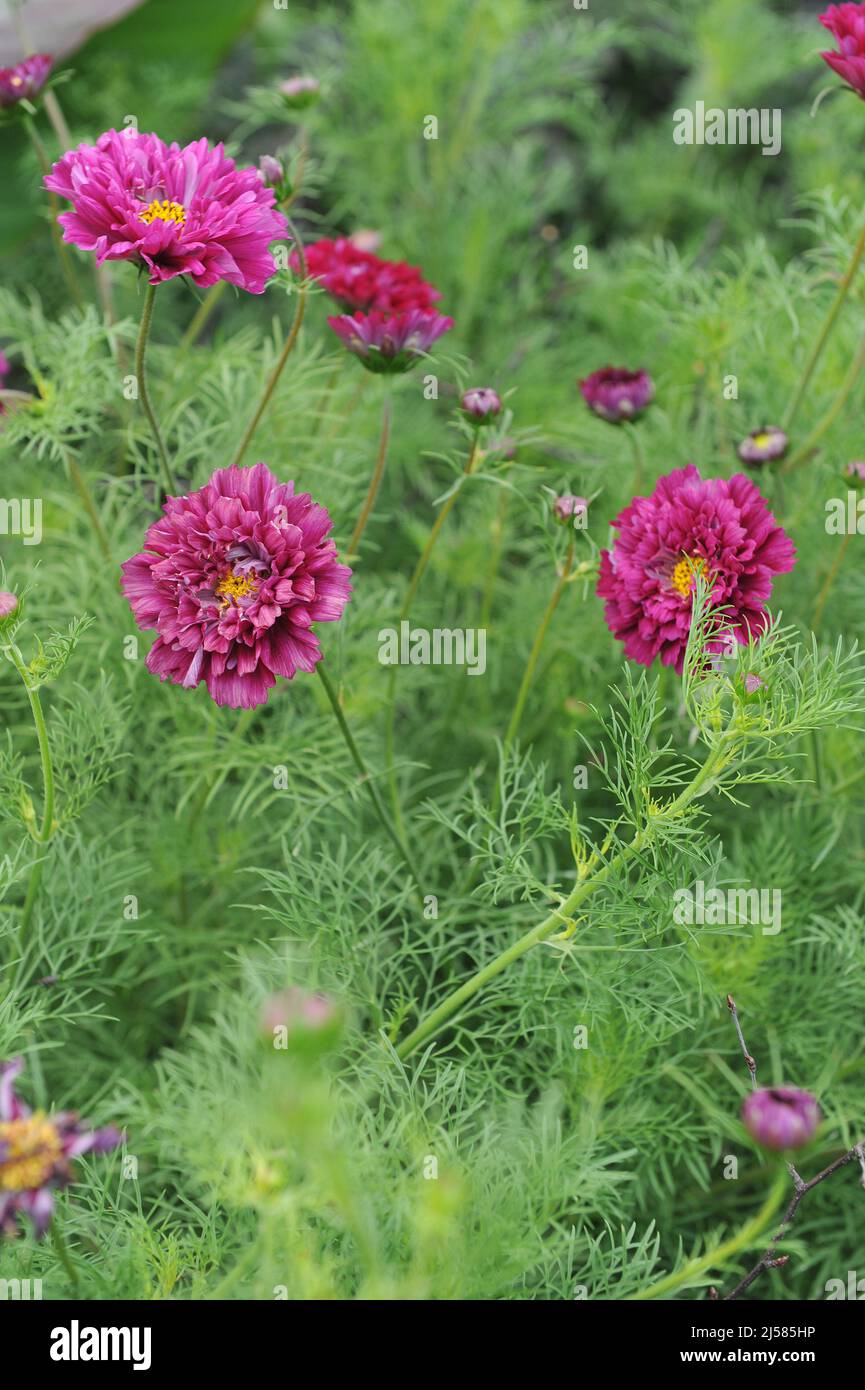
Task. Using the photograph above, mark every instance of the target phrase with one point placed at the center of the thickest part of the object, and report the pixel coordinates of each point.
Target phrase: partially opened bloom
(847, 25)
(300, 92)
(763, 445)
(174, 211)
(390, 342)
(568, 506)
(781, 1117)
(358, 279)
(36, 1153)
(232, 578)
(481, 403)
(25, 80)
(617, 394)
(720, 528)
(8, 604)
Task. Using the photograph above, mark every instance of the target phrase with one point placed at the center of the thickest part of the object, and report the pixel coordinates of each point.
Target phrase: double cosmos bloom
(719, 528)
(232, 578)
(846, 23)
(174, 211)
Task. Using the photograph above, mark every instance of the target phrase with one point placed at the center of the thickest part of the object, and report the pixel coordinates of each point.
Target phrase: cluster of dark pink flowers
(36, 1154)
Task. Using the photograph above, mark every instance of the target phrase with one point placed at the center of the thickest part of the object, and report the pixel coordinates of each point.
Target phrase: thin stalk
(46, 830)
(375, 480)
(852, 376)
(823, 337)
(63, 1255)
(414, 584)
(586, 886)
(639, 457)
(80, 484)
(829, 581)
(63, 257)
(496, 557)
(541, 633)
(366, 776)
(140, 349)
(720, 1254)
(202, 314)
(289, 343)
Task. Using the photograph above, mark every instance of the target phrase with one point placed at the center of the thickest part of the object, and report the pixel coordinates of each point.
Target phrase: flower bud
(781, 1117)
(854, 474)
(481, 404)
(568, 506)
(271, 170)
(763, 445)
(300, 92)
(753, 683)
(8, 605)
(299, 1021)
(617, 394)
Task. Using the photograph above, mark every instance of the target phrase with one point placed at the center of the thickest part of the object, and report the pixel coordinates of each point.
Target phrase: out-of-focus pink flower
(847, 25)
(763, 445)
(175, 211)
(481, 403)
(567, 506)
(855, 473)
(271, 170)
(366, 239)
(753, 683)
(360, 280)
(390, 342)
(25, 80)
(720, 528)
(617, 394)
(781, 1117)
(36, 1153)
(232, 578)
(300, 92)
(8, 604)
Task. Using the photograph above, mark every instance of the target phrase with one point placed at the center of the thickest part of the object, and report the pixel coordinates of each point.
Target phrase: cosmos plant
(243, 582)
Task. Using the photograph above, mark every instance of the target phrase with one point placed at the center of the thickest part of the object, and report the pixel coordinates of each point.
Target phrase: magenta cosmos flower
(25, 80)
(781, 1117)
(361, 280)
(390, 342)
(36, 1153)
(174, 211)
(617, 394)
(718, 527)
(232, 579)
(847, 25)
(763, 445)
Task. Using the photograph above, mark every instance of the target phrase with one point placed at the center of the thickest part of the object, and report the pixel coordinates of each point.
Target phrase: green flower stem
(140, 349)
(202, 314)
(375, 480)
(804, 450)
(366, 776)
(59, 245)
(591, 878)
(717, 1257)
(817, 349)
(276, 373)
(528, 674)
(498, 530)
(79, 482)
(46, 830)
(414, 584)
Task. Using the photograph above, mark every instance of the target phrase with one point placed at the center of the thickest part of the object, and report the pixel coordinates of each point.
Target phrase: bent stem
(46, 830)
(414, 584)
(823, 337)
(852, 376)
(284, 355)
(66, 265)
(720, 1254)
(534, 654)
(375, 480)
(366, 776)
(594, 874)
(830, 580)
(79, 482)
(140, 376)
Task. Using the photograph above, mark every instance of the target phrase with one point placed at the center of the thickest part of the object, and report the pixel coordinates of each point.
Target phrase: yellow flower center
(682, 578)
(29, 1149)
(761, 440)
(235, 586)
(163, 211)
